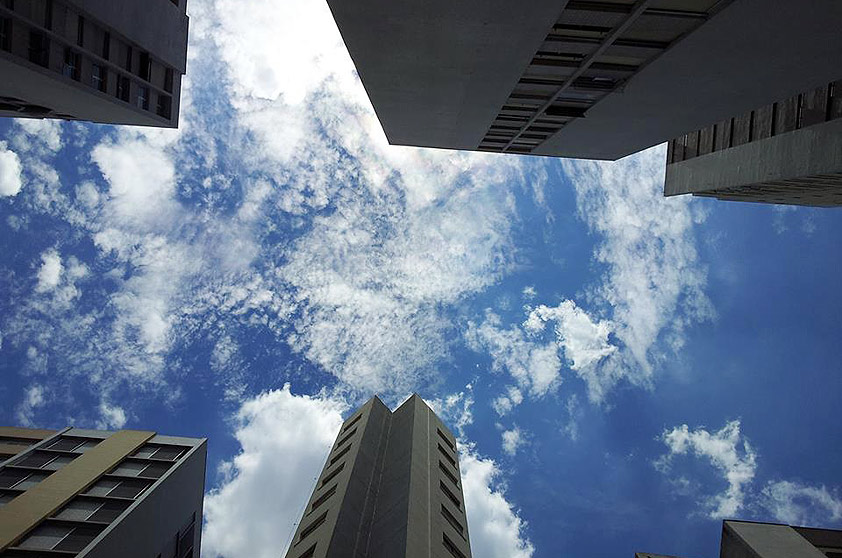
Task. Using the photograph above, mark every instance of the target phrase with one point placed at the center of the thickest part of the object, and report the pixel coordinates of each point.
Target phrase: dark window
(48, 15)
(39, 49)
(143, 98)
(10, 4)
(5, 33)
(313, 526)
(346, 438)
(443, 468)
(450, 495)
(168, 80)
(109, 511)
(35, 459)
(78, 539)
(80, 32)
(446, 455)
(452, 548)
(323, 498)
(452, 520)
(106, 45)
(446, 440)
(339, 455)
(72, 61)
(309, 553)
(10, 477)
(129, 58)
(99, 77)
(164, 105)
(169, 453)
(66, 443)
(144, 69)
(123, 88)
(333, 474)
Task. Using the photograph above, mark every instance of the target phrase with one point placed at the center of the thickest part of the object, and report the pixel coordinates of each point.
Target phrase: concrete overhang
(438, 72)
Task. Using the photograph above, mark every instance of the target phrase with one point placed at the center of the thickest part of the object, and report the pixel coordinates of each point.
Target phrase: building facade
(95, 60)
(604, 79)
(745, 539)
(390, 488)
(95, 494)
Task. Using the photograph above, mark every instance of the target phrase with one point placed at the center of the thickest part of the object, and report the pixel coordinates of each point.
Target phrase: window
(165, 453)
(10, 477)
(447, 455)
(323, 498)
(30, 481)
(99, 77)
(448, 473)
(48, 14)
(72, 61)
(59, 462)
(450, 495)
(67, 443)
(168, 80)
(333, 474)
(313, 526)
(10, 4)
(116, 488)
(446, 440)
(123, 88)
(346, 438)
(36, 459)
(106, 45)
(6, 498)
(79, 510)
(5, 34)
(339, 455)
(144, 69)
(129, 56)
(164, 107)
(309, 553)
(452, 520)
(452, 548)
(80, 32)
(39, 49)
(23, 442)
(128, 469)
(143, 98)
(46, 537)
(353, 422)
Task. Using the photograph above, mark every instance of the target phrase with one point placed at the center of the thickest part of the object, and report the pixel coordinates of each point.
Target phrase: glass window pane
(86, 445)
(170, 453)
(78, 539)
(6, 498)
(102, 487)
(31, 480)
(65, 443)
(36, 459)
(129, 489)
(10, 477)
(45, 537)
(59, 462)
(129, 468)
(155, 470)
(109, 512)
(79, 510)
(145, 452)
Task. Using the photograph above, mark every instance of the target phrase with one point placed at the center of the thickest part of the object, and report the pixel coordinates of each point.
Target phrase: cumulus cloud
(495, 526)
(49, 274)
(285, 439)
(33, 398)
(10, 172)
(113, 417)
(727, 451)
(503, 404)
(796, 503)
(46, 132)
(512, 440)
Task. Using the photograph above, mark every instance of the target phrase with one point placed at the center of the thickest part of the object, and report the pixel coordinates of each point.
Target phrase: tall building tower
(391, 488)
(607, 78)
(96, 60)
(744, 539)
(94, 494)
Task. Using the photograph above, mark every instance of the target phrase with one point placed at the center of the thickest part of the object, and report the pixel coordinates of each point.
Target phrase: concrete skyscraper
(607, 78)
(95, 494)
(391, 488)
(97, 60)
(744, 539)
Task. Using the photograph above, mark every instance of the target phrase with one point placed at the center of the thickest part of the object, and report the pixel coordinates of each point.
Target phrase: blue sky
(624, 370)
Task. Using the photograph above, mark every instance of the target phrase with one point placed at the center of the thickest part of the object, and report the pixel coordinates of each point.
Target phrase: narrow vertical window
(128, 58)
(5, 34)
(99, 77)
(123, 88)
(145, 67)
(168, 80)
(106, 45)
(80, 32)
(143, 98)
(71, 64)
(39, 49)
(48, 15)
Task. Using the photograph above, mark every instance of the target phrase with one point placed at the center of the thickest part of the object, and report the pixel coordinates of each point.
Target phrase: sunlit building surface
(96, 494)
(96, 60)
(391, 488)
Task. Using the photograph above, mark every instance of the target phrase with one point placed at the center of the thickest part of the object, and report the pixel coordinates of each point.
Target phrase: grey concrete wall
(154, 520)
(157, 25)
(815, 150)
(438, 71)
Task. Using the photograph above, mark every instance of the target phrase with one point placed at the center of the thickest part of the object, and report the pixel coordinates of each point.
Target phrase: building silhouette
(605, 79)
(96, 494)
(95, 60)
(745, 539)
(390, 488)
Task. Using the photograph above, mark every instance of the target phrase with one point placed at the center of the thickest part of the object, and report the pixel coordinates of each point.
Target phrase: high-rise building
(96, 60)
(744, 539)
(95, 494)
(390, 488)
(607, 78)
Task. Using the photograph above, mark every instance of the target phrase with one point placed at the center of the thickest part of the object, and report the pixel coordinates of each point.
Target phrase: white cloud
(729, 453)
(512, 440)
(800, 504)
(653, 282)
(455, 409)
(49, 274)
(495, 527)
(503, 404)
(45, 131)
(10, 172)
(33, 399)
(285, 439)
(113, 417)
